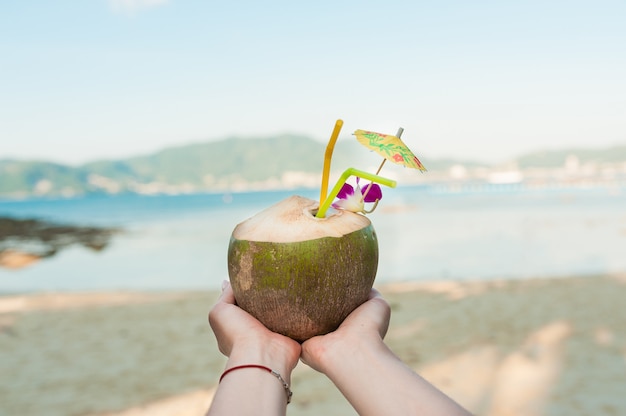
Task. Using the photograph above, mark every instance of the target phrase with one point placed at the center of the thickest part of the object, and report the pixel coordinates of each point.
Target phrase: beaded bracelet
(269, 370)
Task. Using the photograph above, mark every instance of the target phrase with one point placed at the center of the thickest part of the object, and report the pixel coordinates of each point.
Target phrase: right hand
(368, 323)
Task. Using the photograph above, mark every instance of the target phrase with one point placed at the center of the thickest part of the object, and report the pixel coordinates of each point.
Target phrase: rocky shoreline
(24, 242)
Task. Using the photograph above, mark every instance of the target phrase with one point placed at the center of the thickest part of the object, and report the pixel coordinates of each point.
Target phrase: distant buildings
(572, 173)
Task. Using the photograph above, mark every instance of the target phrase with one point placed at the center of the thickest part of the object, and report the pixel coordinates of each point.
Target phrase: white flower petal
(351, 203)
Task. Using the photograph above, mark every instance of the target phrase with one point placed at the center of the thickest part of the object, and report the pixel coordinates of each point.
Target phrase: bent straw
(327, 156)
(321, 213)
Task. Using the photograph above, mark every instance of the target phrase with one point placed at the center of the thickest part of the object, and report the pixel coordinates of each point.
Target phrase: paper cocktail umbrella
(389, 147)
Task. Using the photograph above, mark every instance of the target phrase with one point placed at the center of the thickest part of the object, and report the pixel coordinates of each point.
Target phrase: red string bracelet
(269, 370)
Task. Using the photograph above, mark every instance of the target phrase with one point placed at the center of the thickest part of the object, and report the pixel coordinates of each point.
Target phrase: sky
(83, 80)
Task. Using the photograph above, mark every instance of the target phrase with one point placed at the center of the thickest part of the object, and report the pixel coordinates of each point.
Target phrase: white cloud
(134, 6)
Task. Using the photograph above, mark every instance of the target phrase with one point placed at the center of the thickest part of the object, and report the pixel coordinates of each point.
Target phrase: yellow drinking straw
(321, 213)
(327, 156)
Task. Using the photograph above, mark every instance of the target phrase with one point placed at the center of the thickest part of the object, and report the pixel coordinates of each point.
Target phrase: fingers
(374, 294)
(383, 311)
(227, 295)
(218, 316)
(373, 315)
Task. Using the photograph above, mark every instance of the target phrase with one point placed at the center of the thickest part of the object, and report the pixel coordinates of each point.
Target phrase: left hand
(240, 336)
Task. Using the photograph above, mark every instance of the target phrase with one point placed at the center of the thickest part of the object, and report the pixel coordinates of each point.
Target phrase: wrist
(261, 367)
(275, 373)
(347, 352)
(274, 355)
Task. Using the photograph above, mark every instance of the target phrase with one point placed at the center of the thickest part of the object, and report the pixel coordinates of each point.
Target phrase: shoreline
(19, 302)
(26, 241)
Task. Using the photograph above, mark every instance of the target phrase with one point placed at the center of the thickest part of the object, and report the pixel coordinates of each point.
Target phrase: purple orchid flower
(351, 199)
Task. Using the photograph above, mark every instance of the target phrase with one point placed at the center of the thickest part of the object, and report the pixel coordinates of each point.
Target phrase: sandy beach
(533, 347)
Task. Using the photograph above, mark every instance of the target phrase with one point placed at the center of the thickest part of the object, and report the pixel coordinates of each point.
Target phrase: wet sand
(534, 347)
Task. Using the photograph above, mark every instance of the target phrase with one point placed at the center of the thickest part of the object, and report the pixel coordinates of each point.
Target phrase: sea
(425, 233)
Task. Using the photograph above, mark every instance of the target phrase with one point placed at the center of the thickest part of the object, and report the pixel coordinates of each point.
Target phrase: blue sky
(93, 79)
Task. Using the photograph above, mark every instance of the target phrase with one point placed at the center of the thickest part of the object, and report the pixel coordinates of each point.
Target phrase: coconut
(300, 275)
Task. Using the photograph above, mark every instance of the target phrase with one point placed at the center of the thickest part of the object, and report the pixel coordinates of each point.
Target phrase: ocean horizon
(425, 233)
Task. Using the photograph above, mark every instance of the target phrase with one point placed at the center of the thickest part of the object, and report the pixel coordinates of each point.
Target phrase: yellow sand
(535, 347)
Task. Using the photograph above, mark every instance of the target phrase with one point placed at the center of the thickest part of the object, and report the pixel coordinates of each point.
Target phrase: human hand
(366, 324)
(373, 379)
(242, 338)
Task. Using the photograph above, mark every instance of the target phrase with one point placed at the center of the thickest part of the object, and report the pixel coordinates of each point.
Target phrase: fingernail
(224, 284)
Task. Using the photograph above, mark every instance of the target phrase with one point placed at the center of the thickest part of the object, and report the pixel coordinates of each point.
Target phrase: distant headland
(290, 161)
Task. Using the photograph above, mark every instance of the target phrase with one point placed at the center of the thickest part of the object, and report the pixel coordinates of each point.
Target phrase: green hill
(200, 166)
(31, 177)
(223, 164)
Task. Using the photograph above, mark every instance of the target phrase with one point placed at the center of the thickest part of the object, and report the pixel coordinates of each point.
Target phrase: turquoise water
(425, 233)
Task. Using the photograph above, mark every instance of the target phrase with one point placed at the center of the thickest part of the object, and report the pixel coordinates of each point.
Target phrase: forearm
(376, 382)
(253, 391)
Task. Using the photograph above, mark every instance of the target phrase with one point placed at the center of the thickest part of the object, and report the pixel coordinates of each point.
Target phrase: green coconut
(300, 275)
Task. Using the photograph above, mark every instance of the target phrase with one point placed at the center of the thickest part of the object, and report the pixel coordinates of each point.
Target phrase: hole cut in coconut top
(293, 219)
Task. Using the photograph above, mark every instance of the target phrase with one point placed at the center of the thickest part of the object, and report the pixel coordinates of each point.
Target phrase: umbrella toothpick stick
(398, 134)
(381, 166)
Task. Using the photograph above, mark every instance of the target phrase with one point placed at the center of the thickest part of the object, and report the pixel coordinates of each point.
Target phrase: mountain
(235, 158)
(217, 165)
(554, 158)
(235, 164)
(32, 177)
